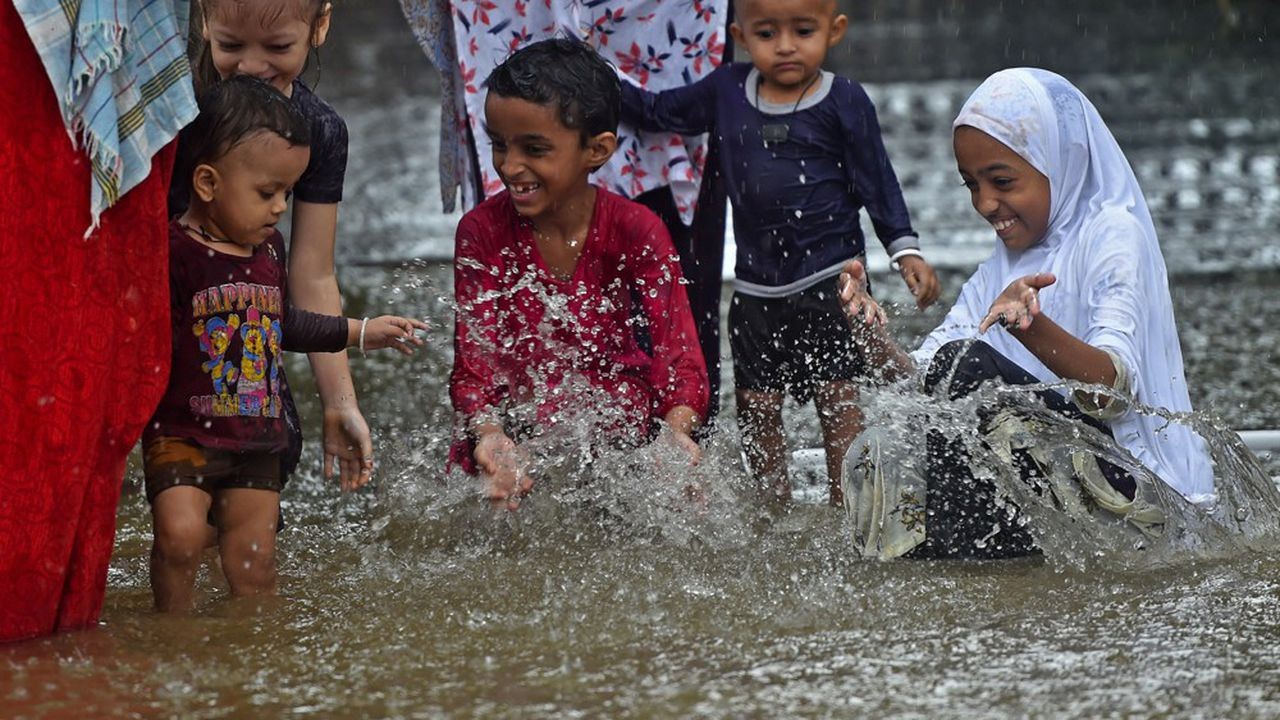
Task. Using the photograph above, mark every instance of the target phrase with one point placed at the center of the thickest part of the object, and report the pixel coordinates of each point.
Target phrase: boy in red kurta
(548, 272)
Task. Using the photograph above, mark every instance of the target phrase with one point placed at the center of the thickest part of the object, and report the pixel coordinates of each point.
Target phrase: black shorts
(173, 461)
(793, 343)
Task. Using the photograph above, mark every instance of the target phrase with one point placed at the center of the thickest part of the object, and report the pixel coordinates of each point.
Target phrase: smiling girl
(1075, 290)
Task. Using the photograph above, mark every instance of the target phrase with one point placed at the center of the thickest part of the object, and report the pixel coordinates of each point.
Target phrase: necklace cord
(204, 234)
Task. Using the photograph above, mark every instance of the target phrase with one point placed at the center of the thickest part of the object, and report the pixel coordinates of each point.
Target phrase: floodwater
(614, 599)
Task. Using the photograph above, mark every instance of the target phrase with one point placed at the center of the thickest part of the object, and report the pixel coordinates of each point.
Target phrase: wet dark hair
(568, 74)
(232, 111)
(203, 72)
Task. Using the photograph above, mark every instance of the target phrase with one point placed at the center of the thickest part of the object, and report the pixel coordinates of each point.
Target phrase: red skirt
(84, 351)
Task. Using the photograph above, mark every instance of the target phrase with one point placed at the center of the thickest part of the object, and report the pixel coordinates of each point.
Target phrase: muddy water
(410, 599)
(413, 600)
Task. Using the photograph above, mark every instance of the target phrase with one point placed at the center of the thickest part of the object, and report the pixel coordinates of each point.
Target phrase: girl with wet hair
(1075, 290)
(272, 41)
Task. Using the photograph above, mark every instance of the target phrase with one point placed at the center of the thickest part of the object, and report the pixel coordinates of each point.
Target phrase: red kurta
(524, 336)
(84, 351)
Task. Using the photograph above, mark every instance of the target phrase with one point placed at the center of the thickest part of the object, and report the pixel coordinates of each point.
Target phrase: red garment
(84, 351)
(523, 335)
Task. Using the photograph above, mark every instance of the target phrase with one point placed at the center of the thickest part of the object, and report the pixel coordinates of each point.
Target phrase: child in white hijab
(1076, 289)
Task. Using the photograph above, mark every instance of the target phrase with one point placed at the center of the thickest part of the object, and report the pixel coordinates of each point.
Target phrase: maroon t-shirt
(230, 320)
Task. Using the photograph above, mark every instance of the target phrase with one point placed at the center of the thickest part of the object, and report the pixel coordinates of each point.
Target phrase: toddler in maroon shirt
(212, 449)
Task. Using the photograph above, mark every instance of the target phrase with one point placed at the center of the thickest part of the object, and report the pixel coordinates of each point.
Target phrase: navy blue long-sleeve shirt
(796, 198)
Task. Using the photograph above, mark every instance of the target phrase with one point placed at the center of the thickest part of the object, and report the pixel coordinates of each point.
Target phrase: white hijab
(1112, 287)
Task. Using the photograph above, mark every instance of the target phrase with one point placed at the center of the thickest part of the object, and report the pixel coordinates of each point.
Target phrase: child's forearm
(313, 285)
(687, 110)
(353, 331)
(885, 359)
(309, 332)
(1066, 355)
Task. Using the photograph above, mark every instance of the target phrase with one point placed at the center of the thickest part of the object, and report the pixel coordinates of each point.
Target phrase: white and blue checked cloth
(120, 72)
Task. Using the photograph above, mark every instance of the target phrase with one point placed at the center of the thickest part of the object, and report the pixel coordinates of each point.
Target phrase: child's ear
(600, 148)
(838, 27)
(738, 38)
(204, 182)
(321, 31)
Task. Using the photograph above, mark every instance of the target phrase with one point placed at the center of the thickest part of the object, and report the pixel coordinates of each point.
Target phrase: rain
(630, 585)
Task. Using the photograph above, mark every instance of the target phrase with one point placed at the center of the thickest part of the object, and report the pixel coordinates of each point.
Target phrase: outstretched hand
(501, 464)
(394, 332)
(857, 303)
(1019, 304)
(921, 280)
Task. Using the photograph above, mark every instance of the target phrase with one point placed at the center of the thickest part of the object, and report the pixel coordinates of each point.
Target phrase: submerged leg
(964, 519)
(247, 539)
(760, 420)
(179, 531)
(841, 420)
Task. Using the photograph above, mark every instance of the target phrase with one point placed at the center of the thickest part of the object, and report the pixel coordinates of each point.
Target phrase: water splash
(1243, 515)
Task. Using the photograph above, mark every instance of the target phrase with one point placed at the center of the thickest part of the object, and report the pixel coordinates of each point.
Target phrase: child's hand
(921, 280)
(1019, 304)
(394, 332)
(678, 425)
(685, 443)
(854, 298)
(348, 444)
(500, 461)
(676, 430)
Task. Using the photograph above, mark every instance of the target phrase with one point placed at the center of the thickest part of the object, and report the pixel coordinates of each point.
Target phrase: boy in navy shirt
(801, 155)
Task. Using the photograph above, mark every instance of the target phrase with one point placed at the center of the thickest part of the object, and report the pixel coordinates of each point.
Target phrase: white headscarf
(1112, 288)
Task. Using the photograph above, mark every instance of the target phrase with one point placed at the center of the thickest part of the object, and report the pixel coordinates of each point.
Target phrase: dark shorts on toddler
(793, 343)
(173, 461)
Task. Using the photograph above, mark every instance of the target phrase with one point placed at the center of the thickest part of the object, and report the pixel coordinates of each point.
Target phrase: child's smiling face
(543, 163)
(788, 39)
(266, 39)
(1005, 189)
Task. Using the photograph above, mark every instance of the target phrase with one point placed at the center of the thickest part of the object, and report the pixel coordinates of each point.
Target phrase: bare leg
(247, 539)
(179, 527)
(841, 420)
(760, 419)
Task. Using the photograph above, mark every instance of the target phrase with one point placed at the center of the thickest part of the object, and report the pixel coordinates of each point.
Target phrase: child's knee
(963, 365)
(249, 562)
(181, 540)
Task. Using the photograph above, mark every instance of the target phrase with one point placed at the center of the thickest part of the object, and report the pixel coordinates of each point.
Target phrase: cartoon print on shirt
(215, 338)
(252, 385)
(246, 379)
(273, 344)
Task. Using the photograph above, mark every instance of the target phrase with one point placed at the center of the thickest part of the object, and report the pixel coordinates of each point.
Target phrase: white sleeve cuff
(1119, 398)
